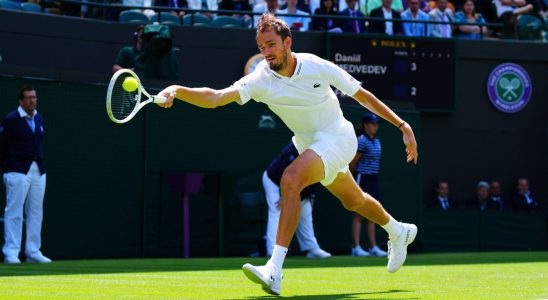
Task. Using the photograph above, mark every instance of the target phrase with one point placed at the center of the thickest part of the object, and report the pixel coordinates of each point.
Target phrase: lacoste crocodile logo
(317, 85)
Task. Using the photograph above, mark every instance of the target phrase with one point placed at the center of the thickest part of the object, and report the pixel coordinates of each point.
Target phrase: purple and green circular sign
(509, 87)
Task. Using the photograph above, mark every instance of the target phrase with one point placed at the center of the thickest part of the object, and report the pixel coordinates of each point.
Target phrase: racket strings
(123, 102)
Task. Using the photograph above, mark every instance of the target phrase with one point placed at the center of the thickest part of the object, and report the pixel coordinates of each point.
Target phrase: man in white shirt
(270, 6)
(441, 14)
(295, 23)
(387, 13)
(297, 87)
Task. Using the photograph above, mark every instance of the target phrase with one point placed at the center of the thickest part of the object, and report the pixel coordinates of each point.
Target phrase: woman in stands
(468, 15)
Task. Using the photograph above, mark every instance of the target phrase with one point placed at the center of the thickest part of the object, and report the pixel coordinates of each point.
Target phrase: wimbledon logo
(509, 87)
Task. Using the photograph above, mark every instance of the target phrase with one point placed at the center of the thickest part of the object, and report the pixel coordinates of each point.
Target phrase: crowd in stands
(488, 196)
(324, 15)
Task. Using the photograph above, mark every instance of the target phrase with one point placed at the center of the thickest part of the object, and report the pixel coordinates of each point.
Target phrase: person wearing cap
(365, 167)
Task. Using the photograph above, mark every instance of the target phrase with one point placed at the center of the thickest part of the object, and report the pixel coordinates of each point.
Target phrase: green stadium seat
(195, 19)
(6, 4)
(31, 7)
(223, 21)
(133, 16)
(166, 18)
(529, 28)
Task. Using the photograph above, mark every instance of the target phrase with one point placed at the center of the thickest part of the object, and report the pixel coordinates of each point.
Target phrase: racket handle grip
(159, 99)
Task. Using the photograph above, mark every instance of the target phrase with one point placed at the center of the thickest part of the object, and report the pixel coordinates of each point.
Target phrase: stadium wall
(108, 193)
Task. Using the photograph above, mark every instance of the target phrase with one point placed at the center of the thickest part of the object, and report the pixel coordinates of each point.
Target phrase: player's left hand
(410, 143)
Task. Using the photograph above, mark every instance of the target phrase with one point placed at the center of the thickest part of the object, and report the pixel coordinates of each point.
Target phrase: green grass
(499, 275)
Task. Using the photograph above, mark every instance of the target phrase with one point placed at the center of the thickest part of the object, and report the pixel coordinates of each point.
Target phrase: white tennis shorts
(336, 146)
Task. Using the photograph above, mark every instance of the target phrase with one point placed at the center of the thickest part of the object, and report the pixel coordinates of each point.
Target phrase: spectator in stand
(270, 6)
(396, 5)
(469, 15)
(441, 14)
(481, 200)
(508, 10)
(356, 26)
(414, 13)
(241, 5)
(127, 55)
(327, 7)
(385, 12)
(299, 23)
(495, 197)
(423, 5)
(172, 4)
(442, 197)
(140, 3)
(205, 5)
(523, 200)
(434, 4)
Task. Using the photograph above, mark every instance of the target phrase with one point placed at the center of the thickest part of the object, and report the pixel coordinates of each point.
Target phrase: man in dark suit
(442, 197)
(385, 12)
(22, 162)
(496, 200)
(353, 10)
(523, 200)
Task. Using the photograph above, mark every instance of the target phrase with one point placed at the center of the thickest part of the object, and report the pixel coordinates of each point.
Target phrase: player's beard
(281, 64)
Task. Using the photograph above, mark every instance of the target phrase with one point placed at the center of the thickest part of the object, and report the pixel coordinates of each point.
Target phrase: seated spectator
(295, 23)
(205, 5)
(495, 197)
(242, 5)
(270, 6)
(385, 12)
(441, 14)
(523, 200)
(396, 5)
(141, 3)
(308, 6)
(469, 15)
(482, 197)
(414, 13)
(327, 7)
(356, 26)
(172, 4)
(126, 56)
(434, 4)
(442, 197)
(508, 10)
(423, 5)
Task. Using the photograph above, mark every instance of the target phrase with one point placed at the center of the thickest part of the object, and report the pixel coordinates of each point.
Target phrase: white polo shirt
(305, 101)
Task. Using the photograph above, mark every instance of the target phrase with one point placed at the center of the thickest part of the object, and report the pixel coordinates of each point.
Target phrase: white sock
(278, 257)
(393, 227)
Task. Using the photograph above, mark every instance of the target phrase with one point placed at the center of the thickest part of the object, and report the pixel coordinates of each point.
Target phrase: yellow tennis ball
(130, 84)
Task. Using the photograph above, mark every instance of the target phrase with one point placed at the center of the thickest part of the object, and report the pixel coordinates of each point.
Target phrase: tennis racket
(123, 105)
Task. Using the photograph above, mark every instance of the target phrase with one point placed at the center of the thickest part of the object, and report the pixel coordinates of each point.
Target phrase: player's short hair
(268, 21)
(22, 90)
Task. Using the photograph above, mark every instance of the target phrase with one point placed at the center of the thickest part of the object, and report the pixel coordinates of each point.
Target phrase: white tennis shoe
(318, 253)
(397, 247)
(266, 276)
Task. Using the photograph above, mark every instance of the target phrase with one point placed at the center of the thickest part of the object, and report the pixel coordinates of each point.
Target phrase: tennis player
(297, 87)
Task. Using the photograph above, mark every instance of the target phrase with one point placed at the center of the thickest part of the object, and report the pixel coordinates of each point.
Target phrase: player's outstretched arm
(202, 97)
(367, 99)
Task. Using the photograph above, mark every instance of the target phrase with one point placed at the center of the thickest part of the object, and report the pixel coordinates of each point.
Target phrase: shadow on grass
(235, 263)
(340, 296)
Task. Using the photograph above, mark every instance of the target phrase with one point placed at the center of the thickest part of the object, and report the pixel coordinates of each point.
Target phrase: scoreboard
(419, 71)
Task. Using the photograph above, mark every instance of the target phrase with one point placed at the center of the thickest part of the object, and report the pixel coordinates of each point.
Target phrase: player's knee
(291, 181)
